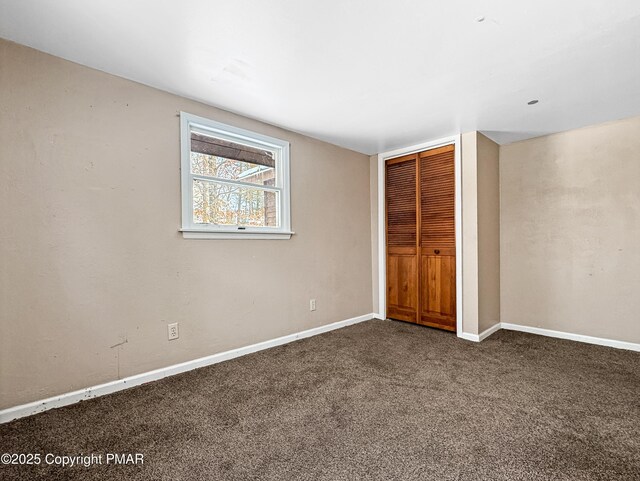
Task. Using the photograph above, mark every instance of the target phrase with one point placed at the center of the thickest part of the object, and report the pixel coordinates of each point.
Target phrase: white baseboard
(631, 346)
(486, 333)
(550, 333)
(469, 337)
(483, 335)
(28, 409)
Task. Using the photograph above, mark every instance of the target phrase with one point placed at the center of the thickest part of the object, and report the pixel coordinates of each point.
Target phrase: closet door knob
(437, 251)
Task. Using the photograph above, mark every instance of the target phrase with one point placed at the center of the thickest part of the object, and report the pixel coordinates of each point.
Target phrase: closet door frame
(382, 241)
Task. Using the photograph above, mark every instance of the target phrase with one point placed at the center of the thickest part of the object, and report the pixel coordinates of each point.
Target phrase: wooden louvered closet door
(421, 263)
(437, 239)
(402, 238)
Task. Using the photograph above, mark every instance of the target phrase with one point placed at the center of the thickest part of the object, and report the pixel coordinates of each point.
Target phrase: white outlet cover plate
(172, 331)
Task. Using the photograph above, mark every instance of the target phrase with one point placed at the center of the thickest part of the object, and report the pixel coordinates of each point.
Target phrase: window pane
(203, 164)
(230, 160)
(233, 205)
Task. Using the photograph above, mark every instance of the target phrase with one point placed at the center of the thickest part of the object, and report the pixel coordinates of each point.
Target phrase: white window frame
(190, 230)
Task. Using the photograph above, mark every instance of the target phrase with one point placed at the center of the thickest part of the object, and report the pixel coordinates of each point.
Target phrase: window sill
(198, 234)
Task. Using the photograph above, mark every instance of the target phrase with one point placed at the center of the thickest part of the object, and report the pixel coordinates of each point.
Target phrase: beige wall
(469, 156)
(488, 233)
(92, 266)
(375, 273)
(480, 233)
(570, 231)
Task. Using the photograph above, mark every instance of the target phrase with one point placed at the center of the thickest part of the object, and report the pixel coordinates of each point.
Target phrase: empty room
(303, 240)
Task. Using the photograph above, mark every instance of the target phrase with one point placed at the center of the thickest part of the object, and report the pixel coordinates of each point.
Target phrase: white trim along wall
(382, 262)
(630, 346)
(65, 399)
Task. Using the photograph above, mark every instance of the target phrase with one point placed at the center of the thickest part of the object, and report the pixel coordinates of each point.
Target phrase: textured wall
(570, 231)
(92, 266)
(375, 272)
(488, 233)
(469, 153)
(480, 233)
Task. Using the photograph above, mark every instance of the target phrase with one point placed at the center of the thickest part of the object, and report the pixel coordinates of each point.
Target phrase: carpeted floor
(378, 400)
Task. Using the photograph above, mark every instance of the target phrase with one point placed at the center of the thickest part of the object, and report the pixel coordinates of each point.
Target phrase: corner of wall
(488, 233)
(373, 203)
(469, 151)
(481, 233)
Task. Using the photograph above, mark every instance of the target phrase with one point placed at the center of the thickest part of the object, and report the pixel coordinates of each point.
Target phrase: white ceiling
(370, 75)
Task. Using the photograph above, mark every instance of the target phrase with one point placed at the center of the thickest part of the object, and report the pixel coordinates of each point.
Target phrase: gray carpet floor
(378, 400)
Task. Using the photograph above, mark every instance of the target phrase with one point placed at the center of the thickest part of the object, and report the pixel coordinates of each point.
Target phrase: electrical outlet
(312, 305)
(172, 331)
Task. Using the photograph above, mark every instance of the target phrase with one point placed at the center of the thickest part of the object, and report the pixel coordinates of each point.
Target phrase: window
(235, 183)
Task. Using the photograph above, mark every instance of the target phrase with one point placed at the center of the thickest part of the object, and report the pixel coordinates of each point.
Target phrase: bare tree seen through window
(221, 203)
